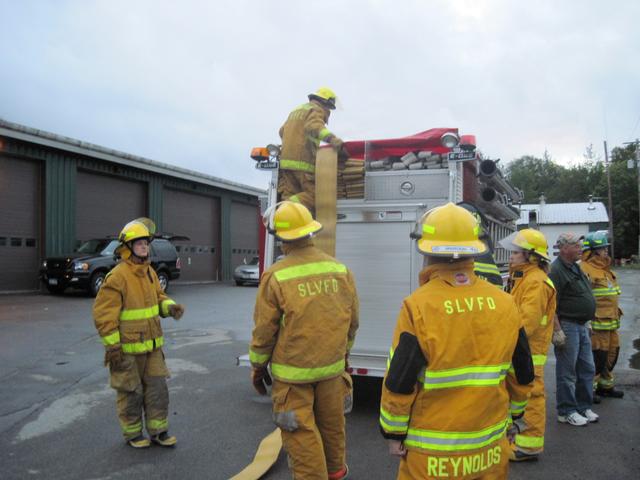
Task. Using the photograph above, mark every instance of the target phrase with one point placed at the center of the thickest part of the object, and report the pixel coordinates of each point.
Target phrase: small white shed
(552, 219)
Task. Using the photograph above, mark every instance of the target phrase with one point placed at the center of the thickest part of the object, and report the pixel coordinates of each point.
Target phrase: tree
(534, 176)
(576, 183)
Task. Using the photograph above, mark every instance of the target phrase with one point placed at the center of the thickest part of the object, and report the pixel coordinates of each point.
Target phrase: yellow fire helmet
(449, 231)
(326, 96)
(139, 228)
(290, 221)
(527, 240)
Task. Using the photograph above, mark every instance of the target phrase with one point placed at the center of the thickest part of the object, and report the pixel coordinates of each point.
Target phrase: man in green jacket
(576, 307)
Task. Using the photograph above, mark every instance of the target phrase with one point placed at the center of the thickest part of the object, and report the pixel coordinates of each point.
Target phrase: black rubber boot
(610, 392)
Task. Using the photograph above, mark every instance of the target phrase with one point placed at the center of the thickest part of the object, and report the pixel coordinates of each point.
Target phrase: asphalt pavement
(58, 420)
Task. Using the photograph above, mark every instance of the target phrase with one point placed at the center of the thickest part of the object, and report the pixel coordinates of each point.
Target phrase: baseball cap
(568, 238)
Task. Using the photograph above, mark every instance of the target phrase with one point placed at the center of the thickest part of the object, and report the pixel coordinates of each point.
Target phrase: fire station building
(56, 192)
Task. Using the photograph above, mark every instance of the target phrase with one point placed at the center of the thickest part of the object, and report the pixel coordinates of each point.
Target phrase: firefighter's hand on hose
(260, 378)
(336, 143)
(559, 338)
(176, 311)
(396, 448)
(114, 358)
(518, 426)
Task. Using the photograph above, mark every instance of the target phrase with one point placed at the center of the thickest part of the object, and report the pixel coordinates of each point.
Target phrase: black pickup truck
(86, 267)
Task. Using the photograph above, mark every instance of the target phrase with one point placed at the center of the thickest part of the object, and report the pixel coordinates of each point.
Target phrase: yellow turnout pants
(311, 417)
(141, 386)
(297, 186)
(605, 345)
(532, 439)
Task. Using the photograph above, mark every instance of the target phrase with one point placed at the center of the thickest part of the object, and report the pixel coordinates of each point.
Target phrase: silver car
(248, 273)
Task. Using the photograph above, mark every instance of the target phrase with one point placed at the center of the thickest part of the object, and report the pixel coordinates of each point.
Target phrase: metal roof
(564, 213)
(40, 137)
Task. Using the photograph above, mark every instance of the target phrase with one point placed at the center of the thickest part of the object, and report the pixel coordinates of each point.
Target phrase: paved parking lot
(57, 414)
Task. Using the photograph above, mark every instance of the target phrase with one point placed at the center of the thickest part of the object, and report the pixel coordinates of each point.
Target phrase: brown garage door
(105, 204)
(244, 233)
(19, 224)
(197, 217)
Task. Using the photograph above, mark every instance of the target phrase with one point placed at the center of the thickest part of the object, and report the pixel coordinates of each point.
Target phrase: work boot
(610, 392)
(164, 439)
(139, 442)
(340, 474)
(518, 456)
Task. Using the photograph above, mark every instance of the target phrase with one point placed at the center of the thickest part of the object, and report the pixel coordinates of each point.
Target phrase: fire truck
(384, 188)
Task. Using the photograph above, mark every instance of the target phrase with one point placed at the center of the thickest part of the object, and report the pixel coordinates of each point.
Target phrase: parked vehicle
(87, 267)
(248, 273)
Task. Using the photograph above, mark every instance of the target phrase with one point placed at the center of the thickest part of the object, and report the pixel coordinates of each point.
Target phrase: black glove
(260, 378)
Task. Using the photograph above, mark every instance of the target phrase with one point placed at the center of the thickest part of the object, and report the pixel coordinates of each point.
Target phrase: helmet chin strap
(143, 259)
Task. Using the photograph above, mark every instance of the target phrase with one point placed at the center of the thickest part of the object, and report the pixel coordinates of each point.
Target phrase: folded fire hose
(265, 457)
(326, 199)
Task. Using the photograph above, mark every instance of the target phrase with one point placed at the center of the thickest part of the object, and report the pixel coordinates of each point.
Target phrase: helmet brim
(439, 248)
(508, 244)
(300, 233)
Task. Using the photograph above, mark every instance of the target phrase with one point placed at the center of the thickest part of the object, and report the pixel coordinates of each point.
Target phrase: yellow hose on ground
(326, 199)
(265, 457)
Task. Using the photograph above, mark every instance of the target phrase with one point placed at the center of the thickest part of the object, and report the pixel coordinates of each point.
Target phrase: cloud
(197, 84)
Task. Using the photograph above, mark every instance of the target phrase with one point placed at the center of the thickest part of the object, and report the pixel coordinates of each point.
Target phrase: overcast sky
(198, 83)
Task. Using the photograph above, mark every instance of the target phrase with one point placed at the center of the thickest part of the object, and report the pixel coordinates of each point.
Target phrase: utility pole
(610, 206)
(638, 169)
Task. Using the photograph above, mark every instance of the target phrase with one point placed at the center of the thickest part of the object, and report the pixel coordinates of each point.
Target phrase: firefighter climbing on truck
(301, 135)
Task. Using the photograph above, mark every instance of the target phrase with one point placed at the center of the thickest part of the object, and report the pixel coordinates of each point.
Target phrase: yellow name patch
(444, 467)
(318, 287)
(469, 304)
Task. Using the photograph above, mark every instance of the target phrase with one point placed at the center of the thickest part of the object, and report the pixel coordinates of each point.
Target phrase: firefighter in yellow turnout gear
(596, 264)
(535, 296)
(306, 317)
(445, 406)
(127, 314)
(301, 135)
